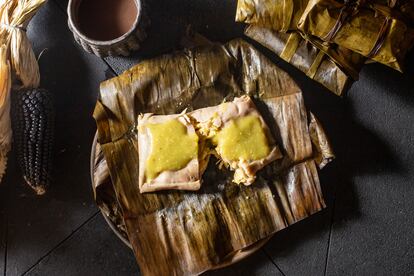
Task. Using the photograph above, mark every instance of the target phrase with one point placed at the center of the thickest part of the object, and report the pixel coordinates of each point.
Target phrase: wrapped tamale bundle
(187, 232)
(332, 66)
(278, 15)
(284, 15)
(375, 31)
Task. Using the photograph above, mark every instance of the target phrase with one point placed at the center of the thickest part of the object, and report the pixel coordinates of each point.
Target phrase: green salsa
(171, 147)
(242, 139)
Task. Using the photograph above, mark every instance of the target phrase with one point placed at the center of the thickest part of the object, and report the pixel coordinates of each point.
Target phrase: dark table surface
(367, 228)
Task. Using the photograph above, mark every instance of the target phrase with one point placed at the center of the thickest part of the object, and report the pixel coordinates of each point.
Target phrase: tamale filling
(242, 139)
(172, 148)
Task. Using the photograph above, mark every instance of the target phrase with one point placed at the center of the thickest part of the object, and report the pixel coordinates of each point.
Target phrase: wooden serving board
(98, 166)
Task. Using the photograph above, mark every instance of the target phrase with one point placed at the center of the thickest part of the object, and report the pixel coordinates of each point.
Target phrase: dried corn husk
(278, 15)
(5, 124)
(18, 62)
(373, 30)
(24, 60)
(334, 67)
(177, 232)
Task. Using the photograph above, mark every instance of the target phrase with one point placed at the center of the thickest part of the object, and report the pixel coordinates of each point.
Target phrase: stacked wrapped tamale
(330, 40)
(189, 232)
(372, 30)
(317, 61)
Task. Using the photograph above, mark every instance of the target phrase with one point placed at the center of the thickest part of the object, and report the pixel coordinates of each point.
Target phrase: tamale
(284, 15)
(278, 15)
(182, 232)
(170, 148)
(240, 137)
(332, 66)
(372, 30)
(168, 153)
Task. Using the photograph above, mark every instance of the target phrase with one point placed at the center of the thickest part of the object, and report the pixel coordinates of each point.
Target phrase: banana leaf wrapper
(278, 15)
(104, 193)
(376, 31)
(334, 67)
(184, 233)
(284, 15)
(103, 190)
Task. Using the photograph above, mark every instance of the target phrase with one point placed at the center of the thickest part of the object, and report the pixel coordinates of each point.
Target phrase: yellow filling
(171, 148)
(242, 139)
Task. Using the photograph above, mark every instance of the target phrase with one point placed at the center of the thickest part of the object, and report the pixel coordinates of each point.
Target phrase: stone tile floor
(366, 229)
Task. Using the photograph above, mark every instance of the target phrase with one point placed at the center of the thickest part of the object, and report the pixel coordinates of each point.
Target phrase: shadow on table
(359, 151)
(169, 21)
(38, 223)
(390, 81)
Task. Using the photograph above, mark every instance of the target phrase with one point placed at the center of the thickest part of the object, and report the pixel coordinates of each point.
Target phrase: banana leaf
(372, 30)
(103, 191)
(278, 15)
(284, 15)
(334, 67)
(183, 232)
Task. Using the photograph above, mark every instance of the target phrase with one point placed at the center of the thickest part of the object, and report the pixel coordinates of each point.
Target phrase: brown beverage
(106, 19)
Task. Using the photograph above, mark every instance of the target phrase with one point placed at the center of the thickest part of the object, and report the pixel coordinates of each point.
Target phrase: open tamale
(184, 232)
(174, 150)
(239, 137)
(333, 66)
(168, 153)
(375, 31)
(278, 15)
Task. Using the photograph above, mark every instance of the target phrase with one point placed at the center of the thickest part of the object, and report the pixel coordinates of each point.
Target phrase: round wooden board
(229, 260)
